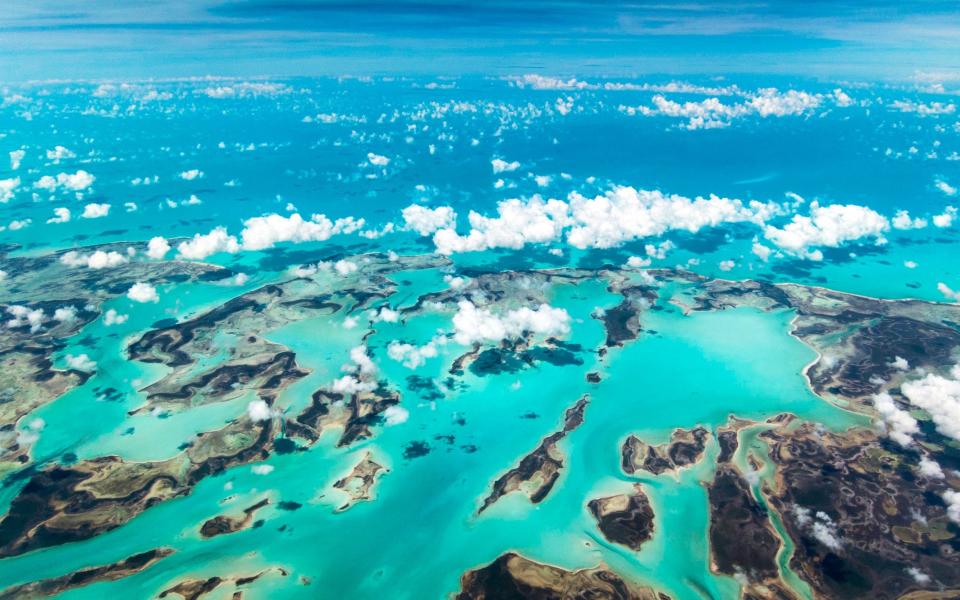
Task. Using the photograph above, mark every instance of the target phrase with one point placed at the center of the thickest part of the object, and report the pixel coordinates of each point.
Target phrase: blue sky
(42, 39)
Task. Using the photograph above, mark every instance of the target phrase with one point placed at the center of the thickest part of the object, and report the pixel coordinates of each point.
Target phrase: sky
(104, 39)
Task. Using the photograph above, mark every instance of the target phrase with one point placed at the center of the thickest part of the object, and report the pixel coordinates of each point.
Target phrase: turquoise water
(421, 530)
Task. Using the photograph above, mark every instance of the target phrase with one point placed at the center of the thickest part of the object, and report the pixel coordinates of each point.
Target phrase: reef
(865, 524)
(194, 589)
(859, 339)
(223, 524)
(625, 519)
(538, 471)
(69, 503)
(358, 484)
(742, 539)
(684, 449)
(112, 572)
(513, 576)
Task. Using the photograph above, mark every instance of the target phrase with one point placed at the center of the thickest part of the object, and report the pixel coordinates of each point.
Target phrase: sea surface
(311, 147)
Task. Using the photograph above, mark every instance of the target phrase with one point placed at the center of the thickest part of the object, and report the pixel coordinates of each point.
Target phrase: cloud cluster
(940, 397)
(828, 226)
(898, 424)
(479, 325)
(98, 259)
(143, 293)
(75, 182)
(621, 215)
(260, 233)
(200, 246)
(425, 220)
(412, 356)
(712, 113)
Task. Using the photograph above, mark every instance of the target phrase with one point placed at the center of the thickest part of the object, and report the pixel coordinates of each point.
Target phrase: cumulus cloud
(112, 317)
(360, 377)
(820, 526)
(98, 259)
(60, 215)
(712, 113)
(501, 166)
(59, 153)
(76, 182)
(621, 215)
(395, 415)
(344, 267)
(902, 220)
(948, 292)
(940, 397)
(377, 160)
(932, 108)
(425, 220)
(259, 410)
(21, 316)
(930, 468)
(80, 362)
(200, 246)
(952, 500)
(191, 174)
(479, 325)
(157, 247)
(260, 233)
(946, 218)
(542, 82)
(16, 156)
(143, 292)
(95, 211)
(945, 187)
(898, 424)
(412, 356)
(8, 187)
(828, 226)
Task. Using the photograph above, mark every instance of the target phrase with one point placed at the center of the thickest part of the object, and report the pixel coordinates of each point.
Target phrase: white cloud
(143, 292)
(22, 316)
(933, 108)
(501, 166)
(930, 468)
(157, 247)
(948, 292)
(61, 215)
(377, 160)
(95, 211)
(65, 314)
(80, 362)
(946, 188)
(828, 226)
(541, 82)
(900, 364)
(98, 259)
(946, 218)
(820, 525)
(952, 498)
(112, 317)
(261, 469)
(425, 220)
(727, 265)
(260, 233)
(16, 156)
(258, 410)
(191, 174)
(76, 182)
(622, 214)
(7, 188)
(902, 220)
(344, 267)
(59, 153)
(414, 356)
(910, 264)
(899, 425)
(711, 113)
(395, 415)
(201, 246)
(940, 397)
(479, 325)
(918, 575)
(762, 252)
